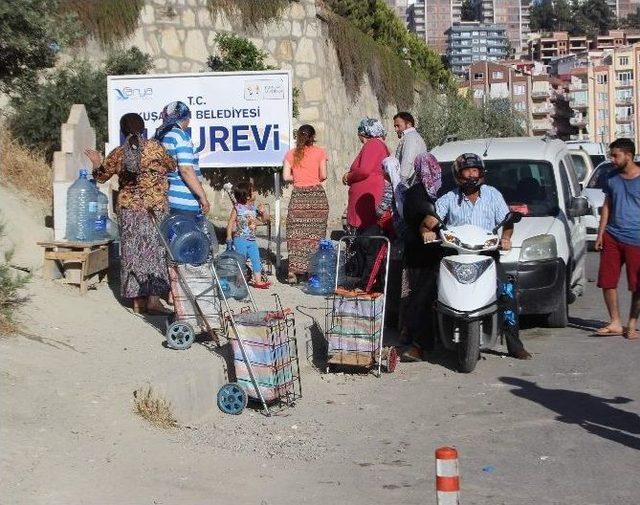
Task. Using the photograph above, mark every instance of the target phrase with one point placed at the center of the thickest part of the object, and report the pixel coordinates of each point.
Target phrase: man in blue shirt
(619, 238)
(474, 202)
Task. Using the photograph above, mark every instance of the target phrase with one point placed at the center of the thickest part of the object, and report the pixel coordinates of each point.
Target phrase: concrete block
(60, 208)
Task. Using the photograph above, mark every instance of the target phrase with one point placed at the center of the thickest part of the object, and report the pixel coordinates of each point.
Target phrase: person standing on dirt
(411, 144)
(477, 203)
(619, 238)
(142, 167)
(186, 194)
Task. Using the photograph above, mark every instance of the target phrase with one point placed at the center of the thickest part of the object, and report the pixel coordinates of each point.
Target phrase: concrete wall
(181, 37)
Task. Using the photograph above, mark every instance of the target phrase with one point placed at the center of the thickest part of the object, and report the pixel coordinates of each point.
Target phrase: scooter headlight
(467, 273)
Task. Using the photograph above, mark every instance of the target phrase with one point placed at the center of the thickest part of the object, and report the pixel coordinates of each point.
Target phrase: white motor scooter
(467, 306)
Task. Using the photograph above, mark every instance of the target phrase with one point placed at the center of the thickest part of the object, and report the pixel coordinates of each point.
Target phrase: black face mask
(471, 185)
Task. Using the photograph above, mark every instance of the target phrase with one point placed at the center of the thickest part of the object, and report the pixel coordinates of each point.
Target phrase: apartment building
(430, 20)
(400, 8)
(545, 48)
(469, 42)
(604, 96)
(514, 15)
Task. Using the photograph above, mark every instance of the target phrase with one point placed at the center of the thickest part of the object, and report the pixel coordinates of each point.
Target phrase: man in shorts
(619, 238)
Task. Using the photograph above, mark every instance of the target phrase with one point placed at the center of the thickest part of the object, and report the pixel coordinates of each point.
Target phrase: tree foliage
(589, 17)
(236, 53)
(451, 115)
(469, 11)
(10, 285)
(39, 109)
(632, 20)
(26, 41)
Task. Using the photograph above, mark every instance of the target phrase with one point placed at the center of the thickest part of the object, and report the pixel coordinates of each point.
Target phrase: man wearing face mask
(474, 202)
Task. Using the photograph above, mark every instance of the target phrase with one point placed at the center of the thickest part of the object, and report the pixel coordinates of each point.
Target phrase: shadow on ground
(595, 414)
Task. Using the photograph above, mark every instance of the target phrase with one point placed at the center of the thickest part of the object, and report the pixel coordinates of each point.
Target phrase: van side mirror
(512, 217)
(579, 206)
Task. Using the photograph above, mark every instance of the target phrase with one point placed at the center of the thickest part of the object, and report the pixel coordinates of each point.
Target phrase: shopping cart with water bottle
(354, 319)
(263, 346)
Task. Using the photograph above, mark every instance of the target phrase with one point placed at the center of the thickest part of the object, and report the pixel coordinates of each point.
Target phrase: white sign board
(238, 119)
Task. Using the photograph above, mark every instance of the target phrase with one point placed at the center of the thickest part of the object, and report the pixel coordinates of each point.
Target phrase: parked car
(536, 178)
(597, 151)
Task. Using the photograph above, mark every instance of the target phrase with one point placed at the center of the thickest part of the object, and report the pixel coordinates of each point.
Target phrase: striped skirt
(306, 225)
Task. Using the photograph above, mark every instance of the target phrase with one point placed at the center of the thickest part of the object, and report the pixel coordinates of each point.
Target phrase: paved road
(560, 429)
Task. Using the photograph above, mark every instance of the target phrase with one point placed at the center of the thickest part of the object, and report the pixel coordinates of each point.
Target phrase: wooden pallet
(81, 263)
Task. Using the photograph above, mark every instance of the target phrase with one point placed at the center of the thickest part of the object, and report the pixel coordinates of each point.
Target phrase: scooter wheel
(232, 399)
(180, 336)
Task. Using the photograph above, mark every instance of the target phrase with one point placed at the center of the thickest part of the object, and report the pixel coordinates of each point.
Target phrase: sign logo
(127, 93)
(264, 89)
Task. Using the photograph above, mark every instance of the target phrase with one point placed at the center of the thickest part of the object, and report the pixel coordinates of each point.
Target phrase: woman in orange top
(306, 167)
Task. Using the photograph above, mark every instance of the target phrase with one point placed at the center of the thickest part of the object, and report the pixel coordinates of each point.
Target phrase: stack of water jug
(88, 212)
(191, 239)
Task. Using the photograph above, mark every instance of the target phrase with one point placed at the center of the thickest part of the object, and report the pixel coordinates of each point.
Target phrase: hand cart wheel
(390, 362)
(180, 335)
(232, 398)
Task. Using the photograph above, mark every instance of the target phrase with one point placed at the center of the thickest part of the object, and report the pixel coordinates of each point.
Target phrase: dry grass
(154, 409)
(25, 169)
(253, 13)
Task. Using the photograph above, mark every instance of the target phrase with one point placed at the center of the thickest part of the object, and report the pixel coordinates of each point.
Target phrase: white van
(597, 151)
(536, 177)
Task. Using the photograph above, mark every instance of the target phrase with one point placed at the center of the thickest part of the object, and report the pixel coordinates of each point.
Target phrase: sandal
(292, 279)
(631, 334)
(261, 285)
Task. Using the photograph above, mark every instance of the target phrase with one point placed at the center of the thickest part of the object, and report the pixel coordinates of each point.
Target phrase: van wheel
(469, 348)
(559, 318)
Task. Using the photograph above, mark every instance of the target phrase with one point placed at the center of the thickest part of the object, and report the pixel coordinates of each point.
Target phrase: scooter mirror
(511, 218)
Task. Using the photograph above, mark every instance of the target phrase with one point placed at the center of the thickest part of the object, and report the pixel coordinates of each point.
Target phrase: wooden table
(82, 263)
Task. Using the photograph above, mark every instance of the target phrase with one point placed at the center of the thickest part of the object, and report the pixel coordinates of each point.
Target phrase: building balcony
(624, 84)
(541, 127)
(579, 122)
(541, 111)
(628, 100)
(579, 86)
(627, 134)
(624, 118)
(574, 104)
(537, 95)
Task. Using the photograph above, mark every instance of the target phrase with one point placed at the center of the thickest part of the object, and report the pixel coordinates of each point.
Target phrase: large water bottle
(82, 207)
(322, 269)
(102, 215)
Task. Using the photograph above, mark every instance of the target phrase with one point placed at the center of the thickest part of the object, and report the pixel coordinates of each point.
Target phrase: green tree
(543, 16)
(10, 286)
(452, 115)
(237, 53)
(563, 15)
(469, 12)
(37, 114)
(26, 43)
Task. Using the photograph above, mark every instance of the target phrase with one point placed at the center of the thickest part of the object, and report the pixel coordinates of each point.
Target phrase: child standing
(241, 230)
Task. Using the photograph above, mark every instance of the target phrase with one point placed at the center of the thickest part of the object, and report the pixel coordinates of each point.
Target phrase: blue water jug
(82, 208)
(231, 268)
(322, 269)
(102, 215)
(187, 241)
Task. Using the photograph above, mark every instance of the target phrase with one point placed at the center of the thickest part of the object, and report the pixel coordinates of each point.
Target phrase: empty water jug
(322, 269)
(231, 268)
(82, 208)
(102, 215)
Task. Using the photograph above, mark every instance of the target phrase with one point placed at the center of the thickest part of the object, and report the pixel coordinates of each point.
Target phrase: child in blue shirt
(241, 229)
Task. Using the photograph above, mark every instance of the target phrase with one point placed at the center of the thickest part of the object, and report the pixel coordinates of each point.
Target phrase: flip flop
(606, 331)
(631, 335)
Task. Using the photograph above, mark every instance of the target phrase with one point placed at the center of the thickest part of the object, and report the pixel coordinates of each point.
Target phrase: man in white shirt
(411, 143)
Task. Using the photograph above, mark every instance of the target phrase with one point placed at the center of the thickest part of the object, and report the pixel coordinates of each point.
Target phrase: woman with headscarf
(306, 166)
(186, 194)
(421, 259)
(365, 178)
(142, 167)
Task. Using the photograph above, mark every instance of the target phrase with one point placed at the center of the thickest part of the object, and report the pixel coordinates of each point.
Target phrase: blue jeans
(249, 249)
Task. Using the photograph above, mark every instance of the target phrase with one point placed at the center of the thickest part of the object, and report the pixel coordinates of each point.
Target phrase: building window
(478, 93)
(519, 89)
(601, 78)
(497, 75)
(623, 60)
(603, 114)
(478, 76)
(603, 97)
(476, 41)
(626, 77)
(520, 106)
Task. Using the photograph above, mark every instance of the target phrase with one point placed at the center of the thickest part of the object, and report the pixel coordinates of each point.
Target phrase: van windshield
(527, 186)
(599, 177)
